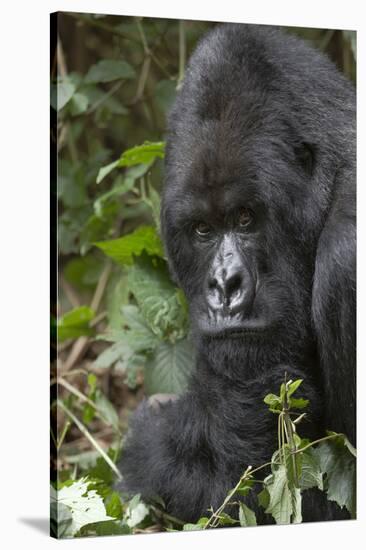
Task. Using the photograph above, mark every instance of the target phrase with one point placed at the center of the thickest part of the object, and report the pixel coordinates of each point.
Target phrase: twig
(103, 26)
(83, 398)
(79, 347)
(88, 435)
(106, 96)
(61, 62)
(168, 517)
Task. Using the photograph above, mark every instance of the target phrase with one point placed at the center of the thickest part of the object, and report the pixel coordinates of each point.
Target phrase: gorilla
(258, 222)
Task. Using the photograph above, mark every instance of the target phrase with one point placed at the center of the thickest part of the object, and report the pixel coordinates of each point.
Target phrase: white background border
(24, 256)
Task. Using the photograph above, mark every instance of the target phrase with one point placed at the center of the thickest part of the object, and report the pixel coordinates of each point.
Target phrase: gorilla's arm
(334, 308)
(192, 451)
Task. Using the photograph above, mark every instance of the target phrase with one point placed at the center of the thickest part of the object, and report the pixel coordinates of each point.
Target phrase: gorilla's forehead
(222, 168)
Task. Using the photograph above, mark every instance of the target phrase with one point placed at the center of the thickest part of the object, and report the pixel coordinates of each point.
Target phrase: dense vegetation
(121, 324)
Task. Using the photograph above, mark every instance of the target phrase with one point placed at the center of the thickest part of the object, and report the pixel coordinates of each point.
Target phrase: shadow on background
(39, 524)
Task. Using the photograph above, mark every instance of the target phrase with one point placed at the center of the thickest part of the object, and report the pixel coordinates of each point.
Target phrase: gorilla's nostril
(233, 285)
(212, 284)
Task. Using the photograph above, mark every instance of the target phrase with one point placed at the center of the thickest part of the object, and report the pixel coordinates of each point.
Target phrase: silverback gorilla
(258, 221)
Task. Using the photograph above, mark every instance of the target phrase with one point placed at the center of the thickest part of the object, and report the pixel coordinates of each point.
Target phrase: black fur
(263, 122)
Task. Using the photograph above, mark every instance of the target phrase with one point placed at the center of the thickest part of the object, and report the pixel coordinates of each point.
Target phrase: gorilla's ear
(334, 305)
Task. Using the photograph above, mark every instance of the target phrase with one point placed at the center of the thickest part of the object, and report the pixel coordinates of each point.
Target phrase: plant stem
(88, 436)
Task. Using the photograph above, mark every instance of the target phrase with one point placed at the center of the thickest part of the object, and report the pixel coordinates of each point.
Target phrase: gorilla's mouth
(223, 330)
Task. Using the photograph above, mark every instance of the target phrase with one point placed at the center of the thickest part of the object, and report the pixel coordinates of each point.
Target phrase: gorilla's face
(241, 224)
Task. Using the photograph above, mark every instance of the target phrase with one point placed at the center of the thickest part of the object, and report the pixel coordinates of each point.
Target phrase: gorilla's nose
(230, 289)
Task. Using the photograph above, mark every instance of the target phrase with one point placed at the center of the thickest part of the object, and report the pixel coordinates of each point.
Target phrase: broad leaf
(85, 506)
(246, 516)
(284, 498)
(75, 323)
(157, 298)
(168, 369)
(143, 154)
(108, 70)
(61, 93)
(339, 465)
(142, 239)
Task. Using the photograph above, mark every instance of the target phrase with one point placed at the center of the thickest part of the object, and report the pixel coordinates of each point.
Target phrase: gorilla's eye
(245, 217)
(202, 229)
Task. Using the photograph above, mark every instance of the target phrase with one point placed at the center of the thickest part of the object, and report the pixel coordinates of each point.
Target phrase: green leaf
(107, 410)
(291, 388)
(143, 154)
(78, 104)
(85, 505)
(108, 70)
(225, 519)
(263, 498)
(246, 516)
(245, 487)
(113, 505)
(168, 369)
(273, 401)
(192, 527)
(121, 250)
(106, 528)
(339, 465)
(61, 93)
(83, 272)
(75, 323)
(78, 316)
(311, 474)
(298, 403)
(164, 93)
(284, 498)
(105, 170)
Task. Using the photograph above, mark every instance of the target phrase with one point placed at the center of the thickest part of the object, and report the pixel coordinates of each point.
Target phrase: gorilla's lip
(236, 331)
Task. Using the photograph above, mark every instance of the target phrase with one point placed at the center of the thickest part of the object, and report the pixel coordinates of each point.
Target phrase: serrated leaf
(284, 499)
(168, 369)
(311, 474)
(86, 506)
(117, 351)
(122, 250)
(157, 298)
(339, 465)
(246, 516)
(108, 70)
